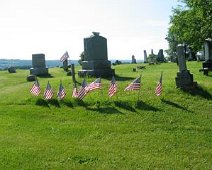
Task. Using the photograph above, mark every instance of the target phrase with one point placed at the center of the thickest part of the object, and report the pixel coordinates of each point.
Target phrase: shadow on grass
(119, 78)
(199, 91)
(42, 102)
(168, 102)
(105, 110)
(81, 103)
(54, 102)
(143, 106)
(124, 105)
(67, 103)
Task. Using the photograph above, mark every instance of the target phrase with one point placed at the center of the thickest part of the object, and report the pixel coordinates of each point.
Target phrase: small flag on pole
(61, 92)
(95, 85)
(64, 57)
(158, 89)
(35, 90)
(135, 85)
(83, 90)
(75, 93)
(48, 93)
(113, 87)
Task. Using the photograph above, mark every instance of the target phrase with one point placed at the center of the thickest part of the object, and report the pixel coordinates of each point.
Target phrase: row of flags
(86, 88)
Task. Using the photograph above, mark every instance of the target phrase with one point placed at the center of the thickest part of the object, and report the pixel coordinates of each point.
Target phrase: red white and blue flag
(35, 90)
(158, 89)
(95, 85)
(75, 92)
(134, 85)
(61, 92)
(83, 90)
(113, 87)
(48, 93)
(64, 57)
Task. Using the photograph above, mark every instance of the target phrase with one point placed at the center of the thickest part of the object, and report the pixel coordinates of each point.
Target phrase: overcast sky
(54, 26)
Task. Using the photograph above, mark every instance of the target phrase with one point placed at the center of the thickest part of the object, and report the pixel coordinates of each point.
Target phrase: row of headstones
(160, 57)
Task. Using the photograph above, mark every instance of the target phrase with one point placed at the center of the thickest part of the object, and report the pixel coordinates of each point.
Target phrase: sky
(54, 26)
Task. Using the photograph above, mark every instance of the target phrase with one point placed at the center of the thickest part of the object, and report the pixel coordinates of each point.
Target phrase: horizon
(130, 27)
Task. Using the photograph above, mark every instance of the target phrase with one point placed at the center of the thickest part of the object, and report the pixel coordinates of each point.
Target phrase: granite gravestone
(160, 56)
(184, 78)
(207, 65)
(145, 57)
(11, 70)
(133, 60)
(95, 61)
(38, 65)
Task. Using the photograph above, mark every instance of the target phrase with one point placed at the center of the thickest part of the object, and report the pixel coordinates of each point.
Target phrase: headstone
(184, 78)
(95, 57)
(38, 65)
(208, 50)
(133, 60)
(160, 56)
(11, 70)
(65, 65)
(145, 57)
(207, 65)
(31, 78)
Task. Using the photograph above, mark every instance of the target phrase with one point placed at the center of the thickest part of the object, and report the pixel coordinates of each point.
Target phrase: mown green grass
(172, 131)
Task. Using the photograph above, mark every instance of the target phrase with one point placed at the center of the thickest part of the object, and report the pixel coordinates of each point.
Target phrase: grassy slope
(168, 132)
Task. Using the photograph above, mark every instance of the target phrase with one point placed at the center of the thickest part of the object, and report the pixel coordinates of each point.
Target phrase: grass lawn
(173, 131)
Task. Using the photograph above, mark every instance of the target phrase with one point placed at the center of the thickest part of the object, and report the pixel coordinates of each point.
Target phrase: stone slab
(39, 71)
(97, 73)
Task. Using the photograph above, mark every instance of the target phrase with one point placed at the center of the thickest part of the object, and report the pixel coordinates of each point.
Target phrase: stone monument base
(97, 73)
(184, 80)
(207, 64)
(39, 71)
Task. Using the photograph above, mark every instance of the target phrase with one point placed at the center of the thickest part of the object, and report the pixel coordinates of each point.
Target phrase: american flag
(61, 92)
(158, 89)
(135, 85)
(113, 87)
(64, 57)
(35, 90)
(75, 93)
(95, 85)
(48, 93)
(83, 90)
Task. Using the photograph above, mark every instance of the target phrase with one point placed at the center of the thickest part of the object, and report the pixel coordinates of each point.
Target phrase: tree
(190, 24)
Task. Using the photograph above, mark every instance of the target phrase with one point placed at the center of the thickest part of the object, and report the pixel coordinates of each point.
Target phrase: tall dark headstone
(160, 56)
(38, 65)
(184, 78)
(208, 53)
(95, 57)
(133, 60)
(145, 57)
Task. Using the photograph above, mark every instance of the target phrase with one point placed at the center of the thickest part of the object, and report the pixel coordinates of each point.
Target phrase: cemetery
(98, 130)
(152, 110)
